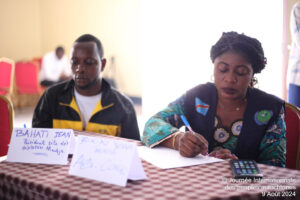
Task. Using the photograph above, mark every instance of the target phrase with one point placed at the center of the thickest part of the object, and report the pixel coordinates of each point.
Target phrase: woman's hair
(240, 43)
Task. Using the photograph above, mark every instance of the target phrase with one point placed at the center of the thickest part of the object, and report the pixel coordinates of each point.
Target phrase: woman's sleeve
(162, 125)
(273, 145)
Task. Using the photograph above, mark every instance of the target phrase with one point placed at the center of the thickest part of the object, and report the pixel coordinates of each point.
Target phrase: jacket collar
(107, 96)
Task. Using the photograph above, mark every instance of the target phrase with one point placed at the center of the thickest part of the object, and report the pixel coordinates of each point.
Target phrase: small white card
(107, 160)
(40, 145)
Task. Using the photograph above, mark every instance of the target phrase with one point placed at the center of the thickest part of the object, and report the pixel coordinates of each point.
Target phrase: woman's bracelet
(174, 139)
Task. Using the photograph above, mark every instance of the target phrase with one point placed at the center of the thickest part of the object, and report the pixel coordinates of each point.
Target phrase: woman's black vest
(255, 122)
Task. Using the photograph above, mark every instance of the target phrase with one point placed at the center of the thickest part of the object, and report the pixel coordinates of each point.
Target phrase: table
(210, 181)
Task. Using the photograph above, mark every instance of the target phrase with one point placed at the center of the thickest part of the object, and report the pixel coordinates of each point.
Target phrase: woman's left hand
(223, 154)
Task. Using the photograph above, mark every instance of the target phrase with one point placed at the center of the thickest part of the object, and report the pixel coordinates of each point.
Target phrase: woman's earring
(253, 82)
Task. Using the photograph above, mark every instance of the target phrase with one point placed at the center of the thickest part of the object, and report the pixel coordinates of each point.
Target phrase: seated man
(54, 68)
(87, 102)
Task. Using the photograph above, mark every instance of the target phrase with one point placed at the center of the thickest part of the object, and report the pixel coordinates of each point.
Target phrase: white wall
(176, 37)
(20, 32)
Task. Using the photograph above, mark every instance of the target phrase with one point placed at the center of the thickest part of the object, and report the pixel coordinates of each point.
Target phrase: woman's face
(233, 73)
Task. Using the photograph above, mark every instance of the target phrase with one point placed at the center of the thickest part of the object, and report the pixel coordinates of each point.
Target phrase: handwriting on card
(38, 145)
(108, 165)
(106, 150)
(39, 139)
(104, 159)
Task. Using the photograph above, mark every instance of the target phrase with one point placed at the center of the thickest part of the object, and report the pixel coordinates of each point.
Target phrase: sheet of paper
(40, 145)
(107, 160)
(3, 158)
(167, 158)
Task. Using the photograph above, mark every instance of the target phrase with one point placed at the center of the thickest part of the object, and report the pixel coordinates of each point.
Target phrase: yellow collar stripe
(99, 107)
(72, 105)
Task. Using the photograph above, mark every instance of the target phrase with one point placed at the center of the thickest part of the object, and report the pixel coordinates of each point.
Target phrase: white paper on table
(107, 160)
(3, 158)
(40, 145)
(167, 158)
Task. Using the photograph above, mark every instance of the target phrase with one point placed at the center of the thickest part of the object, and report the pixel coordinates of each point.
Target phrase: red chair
(27, 78)
(292, 120)
(38, 60)
(27, 83)
(7, 70)
(6, 124)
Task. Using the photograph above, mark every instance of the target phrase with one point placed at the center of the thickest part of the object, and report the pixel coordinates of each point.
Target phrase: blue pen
(187, 124)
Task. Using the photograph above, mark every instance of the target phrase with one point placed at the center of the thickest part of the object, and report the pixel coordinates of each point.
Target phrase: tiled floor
(23, 117)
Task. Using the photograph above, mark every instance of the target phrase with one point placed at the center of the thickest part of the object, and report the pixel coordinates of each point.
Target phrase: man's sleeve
(42, 74)
(295, 24)
(42, 117)
(130, 127)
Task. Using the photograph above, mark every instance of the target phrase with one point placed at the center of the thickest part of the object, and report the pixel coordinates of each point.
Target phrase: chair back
(7, 69)
(27, 78)
(292, 120)
(6, 124)
(38, 61)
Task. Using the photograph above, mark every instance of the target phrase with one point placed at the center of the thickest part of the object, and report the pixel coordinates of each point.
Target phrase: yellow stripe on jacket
(108, 129)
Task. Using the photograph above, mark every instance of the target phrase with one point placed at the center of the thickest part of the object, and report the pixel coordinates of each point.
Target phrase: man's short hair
(91, 38)
(59, 48)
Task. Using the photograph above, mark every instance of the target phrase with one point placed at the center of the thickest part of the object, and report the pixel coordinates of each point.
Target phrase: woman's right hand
(190, 145)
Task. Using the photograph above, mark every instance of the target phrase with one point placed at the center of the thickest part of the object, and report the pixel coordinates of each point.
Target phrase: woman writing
(230, 119)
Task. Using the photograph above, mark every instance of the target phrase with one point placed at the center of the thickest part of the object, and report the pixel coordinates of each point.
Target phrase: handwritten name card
(40, 145)
(107, 160)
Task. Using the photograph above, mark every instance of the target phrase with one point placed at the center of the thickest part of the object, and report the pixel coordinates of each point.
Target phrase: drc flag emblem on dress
(201, 107)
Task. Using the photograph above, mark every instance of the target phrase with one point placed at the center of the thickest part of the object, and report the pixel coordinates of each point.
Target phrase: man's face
(59, 54)
(86, 65)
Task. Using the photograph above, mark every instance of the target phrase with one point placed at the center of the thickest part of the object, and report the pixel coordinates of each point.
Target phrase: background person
(294, 61)
(55, 68)
(87, 102)
(230, 118)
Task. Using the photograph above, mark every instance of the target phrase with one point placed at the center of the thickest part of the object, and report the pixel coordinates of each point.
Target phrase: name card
(40, 145)
(107, 160)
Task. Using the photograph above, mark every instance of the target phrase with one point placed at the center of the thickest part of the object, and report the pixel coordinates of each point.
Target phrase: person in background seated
(87, 102)
(54, 68)
(294, 60)
(230, 118)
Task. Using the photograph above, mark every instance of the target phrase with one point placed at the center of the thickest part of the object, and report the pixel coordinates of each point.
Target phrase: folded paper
(40, 145)
(106, 160)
